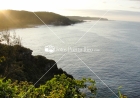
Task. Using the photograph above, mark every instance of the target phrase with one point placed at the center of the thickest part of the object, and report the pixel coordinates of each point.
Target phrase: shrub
(60, 86)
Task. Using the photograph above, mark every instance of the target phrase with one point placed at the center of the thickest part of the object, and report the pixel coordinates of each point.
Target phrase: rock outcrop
(21, 65)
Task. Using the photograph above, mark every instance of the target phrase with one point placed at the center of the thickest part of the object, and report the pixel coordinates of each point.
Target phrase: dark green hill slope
(20, 64)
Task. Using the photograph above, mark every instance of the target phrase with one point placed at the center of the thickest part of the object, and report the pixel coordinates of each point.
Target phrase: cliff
(20, 64)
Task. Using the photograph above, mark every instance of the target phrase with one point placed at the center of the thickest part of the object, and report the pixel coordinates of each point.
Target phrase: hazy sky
(125, 9)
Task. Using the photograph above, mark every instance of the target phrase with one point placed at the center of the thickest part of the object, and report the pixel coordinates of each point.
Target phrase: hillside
(86, 18)
(19, 64)
(15, 19)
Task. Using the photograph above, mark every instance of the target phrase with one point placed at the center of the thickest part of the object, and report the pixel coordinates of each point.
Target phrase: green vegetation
(20, 64)
(58, 87)
(120, 94)
(19, 19)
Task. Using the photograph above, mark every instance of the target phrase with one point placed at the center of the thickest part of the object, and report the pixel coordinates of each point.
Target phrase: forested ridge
(16, 19)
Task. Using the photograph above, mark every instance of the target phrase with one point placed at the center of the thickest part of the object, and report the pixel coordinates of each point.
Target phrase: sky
(127, 10)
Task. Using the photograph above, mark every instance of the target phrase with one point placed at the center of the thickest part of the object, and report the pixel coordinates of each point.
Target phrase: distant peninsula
(21, 19)
(86, 18)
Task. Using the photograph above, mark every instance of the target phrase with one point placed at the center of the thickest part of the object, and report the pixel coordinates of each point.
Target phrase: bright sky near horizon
(71, 7)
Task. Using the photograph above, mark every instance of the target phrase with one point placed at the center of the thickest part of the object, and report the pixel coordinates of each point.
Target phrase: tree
(7, 38)
(2, 59)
